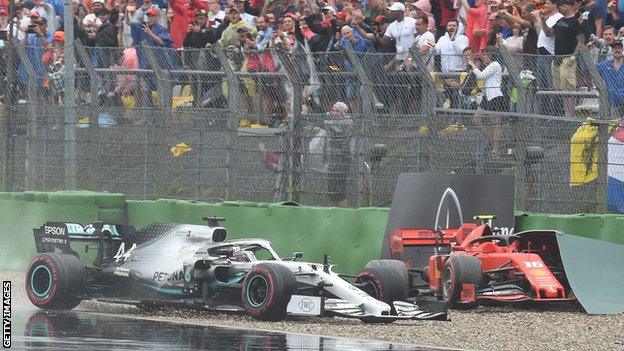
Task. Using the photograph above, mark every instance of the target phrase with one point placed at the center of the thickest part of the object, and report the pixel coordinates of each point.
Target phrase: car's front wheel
(267, 290)
(383, 283)
(55, 281)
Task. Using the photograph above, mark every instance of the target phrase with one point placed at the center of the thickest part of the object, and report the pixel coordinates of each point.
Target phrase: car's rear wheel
(457, 271)
(55, 281)
(383, 283)
(267, 289)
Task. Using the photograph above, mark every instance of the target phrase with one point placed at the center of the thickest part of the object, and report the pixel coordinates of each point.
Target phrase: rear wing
(53, 237)
(57, 236)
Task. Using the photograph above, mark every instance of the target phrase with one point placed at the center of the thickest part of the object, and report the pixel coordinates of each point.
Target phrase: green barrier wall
(21, 212)
(350, 236)
(607, 227)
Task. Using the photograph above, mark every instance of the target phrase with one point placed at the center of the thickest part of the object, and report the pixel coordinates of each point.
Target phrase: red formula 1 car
(472, 263)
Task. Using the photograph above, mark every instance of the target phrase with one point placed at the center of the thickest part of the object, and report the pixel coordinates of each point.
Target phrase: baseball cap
(330, 8)
(91, 20)
(153, 12)
(397, 6)
(59, 36)
(4, 12)
(35, 14)
(202, 12)
(98, 2)
(242, 30)
(342, 15)
(233, 8)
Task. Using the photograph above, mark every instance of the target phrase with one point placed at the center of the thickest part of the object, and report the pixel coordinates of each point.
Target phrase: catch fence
(224, 124)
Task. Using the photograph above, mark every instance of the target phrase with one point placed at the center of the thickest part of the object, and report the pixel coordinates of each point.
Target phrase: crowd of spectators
(450, 35)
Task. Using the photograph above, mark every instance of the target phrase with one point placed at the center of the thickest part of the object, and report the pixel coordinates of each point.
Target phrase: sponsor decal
(54, 241)
(539, 272)
(535, 264)
(122, 272)
(161, 277)
(503, 230)
(54, 231)
(306, 305)
(6, 314)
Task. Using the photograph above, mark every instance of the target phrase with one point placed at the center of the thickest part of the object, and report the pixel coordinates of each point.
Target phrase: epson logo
(54, 231)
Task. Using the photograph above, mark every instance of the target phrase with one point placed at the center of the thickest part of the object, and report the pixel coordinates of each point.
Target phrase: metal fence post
(517, 126)
(94, 79)
(603, 132)
(70, 98)
(368, 102)
(235, 112)
(295, 125)
(31, 129)
(429, 97)
(163, 86)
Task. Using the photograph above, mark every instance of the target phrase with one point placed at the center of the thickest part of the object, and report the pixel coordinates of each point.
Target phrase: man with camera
(106, 37)
(612, 72)
(233, 23)
(39, 39)
(184, 13)
(199, 35)
(46, 11)
(151, 34)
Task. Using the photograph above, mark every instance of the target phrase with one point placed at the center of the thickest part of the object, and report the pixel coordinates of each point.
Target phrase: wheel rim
(41, 281)
(257, 291)
(447, 282)
(370, 288)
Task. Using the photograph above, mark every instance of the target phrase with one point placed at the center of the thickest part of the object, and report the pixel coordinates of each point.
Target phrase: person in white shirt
(492, 75)
(247, 18)
(450, 47)
(546, 20)
(47, 11)
(215, 15)
(402, 30)
(423, 38)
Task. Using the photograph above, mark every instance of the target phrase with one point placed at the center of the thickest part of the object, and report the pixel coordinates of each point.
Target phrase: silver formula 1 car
(193, 265)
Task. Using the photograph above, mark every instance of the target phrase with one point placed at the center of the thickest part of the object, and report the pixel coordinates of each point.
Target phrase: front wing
(321, 306)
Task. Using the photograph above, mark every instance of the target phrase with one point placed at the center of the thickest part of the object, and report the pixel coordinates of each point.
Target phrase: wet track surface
(75, 330)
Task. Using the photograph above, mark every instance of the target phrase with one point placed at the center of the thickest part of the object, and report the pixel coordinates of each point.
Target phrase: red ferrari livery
(471, 263)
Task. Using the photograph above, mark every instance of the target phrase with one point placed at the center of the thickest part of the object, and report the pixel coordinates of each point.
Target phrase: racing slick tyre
(383, 283)
(395, 264)
(459, 270)
(267, 289)
(55, 281)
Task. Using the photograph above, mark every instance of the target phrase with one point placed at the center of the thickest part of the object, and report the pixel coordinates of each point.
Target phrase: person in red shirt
(476, 24)
(183, 13)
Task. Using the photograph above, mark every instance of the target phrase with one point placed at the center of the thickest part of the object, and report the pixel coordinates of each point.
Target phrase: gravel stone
(543, 327)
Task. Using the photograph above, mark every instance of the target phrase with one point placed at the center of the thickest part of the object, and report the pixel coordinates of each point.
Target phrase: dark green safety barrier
(350, 236)
(607, 227)
(21, 212)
